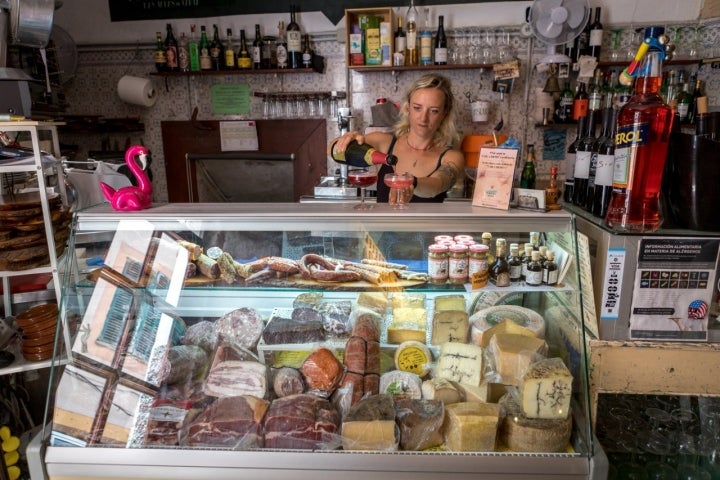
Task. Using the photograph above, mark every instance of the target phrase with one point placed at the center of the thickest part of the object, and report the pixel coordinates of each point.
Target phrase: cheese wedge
(471, 426)
(512, 353)
(375, 301)
(450, 302)
(460, 362)
(449, 326)
(441, 389)
(546, 389)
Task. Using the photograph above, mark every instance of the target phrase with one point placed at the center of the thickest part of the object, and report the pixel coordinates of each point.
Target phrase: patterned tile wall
(93, 92)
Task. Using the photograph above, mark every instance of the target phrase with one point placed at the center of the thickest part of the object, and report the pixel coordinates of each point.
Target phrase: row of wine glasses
(400, 184)
(480, 46)
(690, 43)
(660, 437)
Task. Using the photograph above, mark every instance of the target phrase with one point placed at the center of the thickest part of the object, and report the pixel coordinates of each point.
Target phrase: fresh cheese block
(460, 362)
(512, 353)
(420, 423)
(487, 322)
(449, 326)
(408, 323)
(522, 434)
(375, 301)
(471, 426)
(370, 425)
(442, 389)
(399, 384)
(407, 300)
(546, 389)
(450, 302)
(414, 357)
(487, 392)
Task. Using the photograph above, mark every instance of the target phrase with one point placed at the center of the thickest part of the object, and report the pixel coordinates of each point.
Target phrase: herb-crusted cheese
(546, 389)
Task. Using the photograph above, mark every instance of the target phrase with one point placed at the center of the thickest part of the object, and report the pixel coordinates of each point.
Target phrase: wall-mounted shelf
(203, 73)
(390, 68)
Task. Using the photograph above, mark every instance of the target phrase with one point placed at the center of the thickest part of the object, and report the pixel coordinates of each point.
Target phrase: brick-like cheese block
(375, 301)
(408, 299)
(522, 434)
(449, 326)
(471, 426)
(450, 302)
(546, 389)
(408, 323)
(460, 362)
(512, 353)
(370, 425)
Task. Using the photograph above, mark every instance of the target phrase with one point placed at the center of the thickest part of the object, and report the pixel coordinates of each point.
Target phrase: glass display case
(248, 340)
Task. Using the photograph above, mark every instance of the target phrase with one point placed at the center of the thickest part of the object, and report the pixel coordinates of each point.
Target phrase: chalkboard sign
(124, 10)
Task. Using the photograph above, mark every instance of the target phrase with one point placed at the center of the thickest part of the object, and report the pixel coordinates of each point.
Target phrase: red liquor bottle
(641, 147)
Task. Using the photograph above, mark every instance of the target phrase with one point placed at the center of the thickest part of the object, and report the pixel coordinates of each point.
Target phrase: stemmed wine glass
(401, 189)
(362, 178)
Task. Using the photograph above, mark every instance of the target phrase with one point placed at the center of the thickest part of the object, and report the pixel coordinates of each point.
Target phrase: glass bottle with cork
(411, 53)
(550, 272)
(641, 143)
(499, 269)
(171, 50)
(441, 44)
(533, 274)
(205, 60)
(230, 51)
(364, 155)
(514, 263)
(527, 178)
(160, 60)
(570, 157)
(217, 52)
(194, 50)
(294, 41)
(256, 49)
(244, 61)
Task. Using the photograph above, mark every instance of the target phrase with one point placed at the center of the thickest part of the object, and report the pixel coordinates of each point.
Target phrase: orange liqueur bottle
(641, 145)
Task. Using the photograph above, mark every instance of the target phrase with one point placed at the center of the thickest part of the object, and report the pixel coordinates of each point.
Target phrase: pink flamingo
(131, 198)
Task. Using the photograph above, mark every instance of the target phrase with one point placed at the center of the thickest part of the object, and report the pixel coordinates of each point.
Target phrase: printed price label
(612, 286)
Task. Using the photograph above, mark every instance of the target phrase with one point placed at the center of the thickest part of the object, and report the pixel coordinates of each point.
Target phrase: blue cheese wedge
(449, 326)
(461, 363)
(546, 389)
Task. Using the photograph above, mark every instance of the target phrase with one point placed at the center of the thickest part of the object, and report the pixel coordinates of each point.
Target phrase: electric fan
(557, 22)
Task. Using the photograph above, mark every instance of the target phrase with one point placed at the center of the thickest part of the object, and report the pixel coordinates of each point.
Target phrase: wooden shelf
(390, 68)
(203, 73)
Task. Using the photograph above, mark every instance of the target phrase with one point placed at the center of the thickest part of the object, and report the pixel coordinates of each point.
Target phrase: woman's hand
(343, 141)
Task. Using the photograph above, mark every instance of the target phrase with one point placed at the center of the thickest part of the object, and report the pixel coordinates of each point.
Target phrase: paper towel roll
(137, 90)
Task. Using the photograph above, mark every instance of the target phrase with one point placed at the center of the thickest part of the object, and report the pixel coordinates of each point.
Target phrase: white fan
(557, 22)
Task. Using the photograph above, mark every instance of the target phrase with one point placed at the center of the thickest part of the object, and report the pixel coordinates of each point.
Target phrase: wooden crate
(354, 16)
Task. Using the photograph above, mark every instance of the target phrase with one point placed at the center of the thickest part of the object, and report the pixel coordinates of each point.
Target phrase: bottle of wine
(641, 147)
(565, 104)
(194, 50)
(581, 102)
(426, 40)
(602, 136)
(281, 53)
(205, 60)
(527, 178)
(217, 59)
(171, 50)
(183, 53)
(400, 41)
(230, 51)
(160, 59)
(256, 49)
(595, 94)
(441, 43)
(358, 155)
(411, 54)
(697, 93)
(307, 53)
(294, 41)
(604, 168)
(583, 157)
(570, 156)
(244, 62)
(596, 36)
(583, 40)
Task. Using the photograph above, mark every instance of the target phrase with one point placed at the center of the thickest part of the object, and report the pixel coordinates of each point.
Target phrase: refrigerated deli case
(183, 316)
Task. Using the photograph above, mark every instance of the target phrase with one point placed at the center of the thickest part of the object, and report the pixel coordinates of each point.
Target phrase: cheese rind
(399, 384)
(449, 326)
(441, 389)
(450, 302)
(512, 353)
(460, 362)
(546, 389)
(471, 426)
(522, 434)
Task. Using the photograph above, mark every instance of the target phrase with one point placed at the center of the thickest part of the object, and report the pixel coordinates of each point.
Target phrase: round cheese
(522, 434)
(414, 357)
(488, 321)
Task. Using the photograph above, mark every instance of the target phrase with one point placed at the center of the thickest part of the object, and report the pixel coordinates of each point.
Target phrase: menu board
(123, 10)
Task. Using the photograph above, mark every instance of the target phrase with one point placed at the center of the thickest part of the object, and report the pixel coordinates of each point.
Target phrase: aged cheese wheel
(487, 322)
(522, 434)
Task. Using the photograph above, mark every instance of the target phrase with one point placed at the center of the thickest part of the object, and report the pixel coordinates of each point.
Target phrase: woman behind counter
(422, 141)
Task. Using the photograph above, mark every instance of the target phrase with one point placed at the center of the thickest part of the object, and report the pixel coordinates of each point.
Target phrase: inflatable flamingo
(131, 198)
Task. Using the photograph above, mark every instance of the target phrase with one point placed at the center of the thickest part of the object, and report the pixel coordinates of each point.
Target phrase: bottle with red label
(641, 145)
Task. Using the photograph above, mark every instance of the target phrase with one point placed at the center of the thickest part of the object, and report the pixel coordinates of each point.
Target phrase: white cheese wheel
(399, 384)
(414, 357)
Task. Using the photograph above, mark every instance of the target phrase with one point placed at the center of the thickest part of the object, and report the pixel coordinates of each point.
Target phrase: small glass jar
(443, 238)
(438, 263)
(458, 264)
(478, 261)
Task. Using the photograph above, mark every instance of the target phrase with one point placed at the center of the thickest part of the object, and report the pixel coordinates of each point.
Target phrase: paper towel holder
(145, 96)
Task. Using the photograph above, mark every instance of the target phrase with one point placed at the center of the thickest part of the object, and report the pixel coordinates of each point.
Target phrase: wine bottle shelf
(235, 72)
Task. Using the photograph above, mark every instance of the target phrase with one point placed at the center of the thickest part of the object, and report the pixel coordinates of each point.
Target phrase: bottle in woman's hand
(363, 155)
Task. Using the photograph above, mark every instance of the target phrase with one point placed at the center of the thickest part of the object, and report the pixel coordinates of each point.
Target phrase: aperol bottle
(641, 147)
